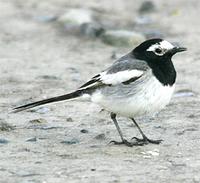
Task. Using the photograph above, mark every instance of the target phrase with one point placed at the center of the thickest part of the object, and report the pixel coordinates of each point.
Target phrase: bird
(139, 83)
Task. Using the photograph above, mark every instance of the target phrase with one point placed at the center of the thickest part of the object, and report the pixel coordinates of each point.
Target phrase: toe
(115, 142)
(146, 140)
(155, 141)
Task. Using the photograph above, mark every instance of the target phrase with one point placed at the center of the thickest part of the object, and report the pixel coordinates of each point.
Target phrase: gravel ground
(68, 141)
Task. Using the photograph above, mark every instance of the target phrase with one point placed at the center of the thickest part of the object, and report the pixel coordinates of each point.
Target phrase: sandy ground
(39, 60)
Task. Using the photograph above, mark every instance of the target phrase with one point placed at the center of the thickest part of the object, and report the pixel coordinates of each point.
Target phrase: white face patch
(160, 48)
(166, 45)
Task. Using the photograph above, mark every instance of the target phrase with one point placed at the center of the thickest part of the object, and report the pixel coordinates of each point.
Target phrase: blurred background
(49, 48)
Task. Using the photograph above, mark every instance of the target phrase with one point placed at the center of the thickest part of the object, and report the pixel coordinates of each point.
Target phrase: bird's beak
(177, 49)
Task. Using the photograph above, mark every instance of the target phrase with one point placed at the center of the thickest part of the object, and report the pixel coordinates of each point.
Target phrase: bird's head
(154, 50)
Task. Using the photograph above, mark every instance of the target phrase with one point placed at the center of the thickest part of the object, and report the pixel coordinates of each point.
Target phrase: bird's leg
(124, 141)
(145, 139)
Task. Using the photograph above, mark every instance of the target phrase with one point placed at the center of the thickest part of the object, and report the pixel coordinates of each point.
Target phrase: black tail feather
(46, 101)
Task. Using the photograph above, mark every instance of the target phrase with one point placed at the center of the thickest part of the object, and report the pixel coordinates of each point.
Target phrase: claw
(155, 141)
(127, 143)
(145, 140)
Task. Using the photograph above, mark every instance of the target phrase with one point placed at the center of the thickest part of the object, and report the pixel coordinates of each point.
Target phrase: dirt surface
(68, 141)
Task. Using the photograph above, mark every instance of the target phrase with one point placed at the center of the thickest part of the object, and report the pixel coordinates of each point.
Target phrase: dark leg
(144, 139)
(124, 141)
(113, 117)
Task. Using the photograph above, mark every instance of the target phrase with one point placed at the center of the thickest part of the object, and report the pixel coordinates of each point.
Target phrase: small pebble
(49, 77)
(49, 127)
(38, 121)
(69, 119)
(73, 20)
(191, 116)
(5, 126)
(184, 93)
(76, 16)
(91, 30)
(70, 142)
(101, 136)
(147, 7)
(3, 141)
(84, 131)
(122, 38)
(34, 139)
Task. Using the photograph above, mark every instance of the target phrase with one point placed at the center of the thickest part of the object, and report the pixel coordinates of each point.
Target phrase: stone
(80, 21)
(70, 142)
(147, 7)
(69, 119)
(84, 131)
(5, 126)
(49, 77)
(38, 121)
(34, 139)
(122, 38)
(184, 93)
(3, 141)
(91, 30)
(76, 16)
(101, 136)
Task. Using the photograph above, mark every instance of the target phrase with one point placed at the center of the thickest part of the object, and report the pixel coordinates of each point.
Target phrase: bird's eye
(158, 50)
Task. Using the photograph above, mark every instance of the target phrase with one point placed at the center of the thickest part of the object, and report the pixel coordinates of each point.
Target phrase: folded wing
(116, 74)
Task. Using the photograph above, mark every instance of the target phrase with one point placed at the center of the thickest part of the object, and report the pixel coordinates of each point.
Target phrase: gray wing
(125, 70)
(128, 62)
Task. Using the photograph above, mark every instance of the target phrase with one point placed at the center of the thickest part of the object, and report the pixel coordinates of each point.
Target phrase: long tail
(46, 101)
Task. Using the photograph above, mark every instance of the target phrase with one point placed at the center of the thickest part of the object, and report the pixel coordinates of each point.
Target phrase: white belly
(143, 98)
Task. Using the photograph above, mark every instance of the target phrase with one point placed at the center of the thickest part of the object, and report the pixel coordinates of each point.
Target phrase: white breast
(146, 97)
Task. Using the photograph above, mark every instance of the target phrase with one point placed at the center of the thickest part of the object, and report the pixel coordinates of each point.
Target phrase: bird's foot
(146, 140)
(127, 143)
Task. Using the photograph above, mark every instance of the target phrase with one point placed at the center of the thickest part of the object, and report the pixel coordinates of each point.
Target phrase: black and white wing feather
(121, 72)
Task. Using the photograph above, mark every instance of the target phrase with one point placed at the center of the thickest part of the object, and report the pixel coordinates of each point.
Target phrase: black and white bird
(138, 84)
